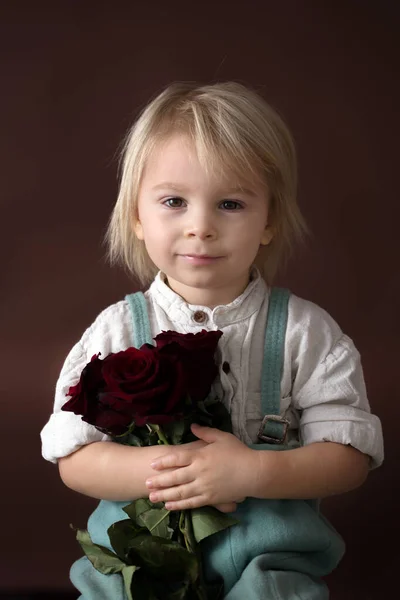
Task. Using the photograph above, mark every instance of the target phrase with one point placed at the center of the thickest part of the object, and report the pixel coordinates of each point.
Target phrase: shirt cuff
(65, 433)
(344, 425)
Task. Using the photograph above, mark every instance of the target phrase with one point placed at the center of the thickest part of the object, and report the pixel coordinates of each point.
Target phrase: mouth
(200, 256)
(200, 259)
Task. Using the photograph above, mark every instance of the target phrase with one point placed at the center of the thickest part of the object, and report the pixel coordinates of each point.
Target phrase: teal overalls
(281, 548)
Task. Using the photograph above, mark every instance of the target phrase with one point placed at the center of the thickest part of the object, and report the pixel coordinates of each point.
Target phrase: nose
(201, 225)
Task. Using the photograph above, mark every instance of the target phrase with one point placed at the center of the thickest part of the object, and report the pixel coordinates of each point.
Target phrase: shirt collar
(240, 309)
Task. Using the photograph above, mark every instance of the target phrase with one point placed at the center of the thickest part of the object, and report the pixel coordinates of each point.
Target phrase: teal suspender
(140, 317)
(273, 427)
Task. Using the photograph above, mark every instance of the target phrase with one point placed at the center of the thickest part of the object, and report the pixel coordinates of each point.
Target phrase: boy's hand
(219, 473)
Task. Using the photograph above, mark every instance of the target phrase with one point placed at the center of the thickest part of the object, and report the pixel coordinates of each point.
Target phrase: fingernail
(154, 464)
(153, 497)
(149, 483)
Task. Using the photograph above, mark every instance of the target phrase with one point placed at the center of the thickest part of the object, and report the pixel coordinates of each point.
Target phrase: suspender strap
(140, 318)
(274, 428)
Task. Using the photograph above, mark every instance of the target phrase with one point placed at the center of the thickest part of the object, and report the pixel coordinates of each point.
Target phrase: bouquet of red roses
(144, 397)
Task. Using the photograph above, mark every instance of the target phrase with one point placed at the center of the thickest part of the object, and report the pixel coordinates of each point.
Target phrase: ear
(267, 236)
(138, 229)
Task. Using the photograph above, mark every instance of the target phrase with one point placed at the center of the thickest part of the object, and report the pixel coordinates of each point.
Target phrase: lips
(200, 256)
(200, 259)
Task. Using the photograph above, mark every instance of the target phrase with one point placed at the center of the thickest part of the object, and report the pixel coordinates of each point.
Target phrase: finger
(172, 478)
(197, 445)
(174, 494)
(207, 434)
(172, 460)
(187, 504)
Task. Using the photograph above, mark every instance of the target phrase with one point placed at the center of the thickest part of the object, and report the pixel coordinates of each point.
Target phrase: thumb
(207, 434)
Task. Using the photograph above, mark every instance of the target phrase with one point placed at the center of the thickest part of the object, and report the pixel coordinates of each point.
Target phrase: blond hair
(234, 131)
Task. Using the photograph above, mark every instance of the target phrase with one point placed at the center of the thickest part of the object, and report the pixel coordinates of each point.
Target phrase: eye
(173, 202)
(231, 205)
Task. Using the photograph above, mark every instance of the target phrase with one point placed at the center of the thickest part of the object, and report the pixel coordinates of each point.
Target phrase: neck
(207, 297)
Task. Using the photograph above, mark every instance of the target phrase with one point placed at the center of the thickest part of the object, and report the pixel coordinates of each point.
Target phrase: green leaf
(175, 431)
(208, 520)
(221, 419)
(213, 413)
(202, 411)
(132, 440)
(165, 558)
(136, 508)
(121, 534)
(127, 574)
(101, 558)
(156, 520)
(211, 399)
(142, 505)
(179, 594)
(154, 516)
(130, 510)
(142, 587)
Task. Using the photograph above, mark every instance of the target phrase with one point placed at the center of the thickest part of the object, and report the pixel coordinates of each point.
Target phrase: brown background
(73, 75)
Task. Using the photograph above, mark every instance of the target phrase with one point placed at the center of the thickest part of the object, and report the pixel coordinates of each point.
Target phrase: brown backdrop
(73, 76)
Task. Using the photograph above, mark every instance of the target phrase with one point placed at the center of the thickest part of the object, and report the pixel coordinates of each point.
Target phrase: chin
(199, 281)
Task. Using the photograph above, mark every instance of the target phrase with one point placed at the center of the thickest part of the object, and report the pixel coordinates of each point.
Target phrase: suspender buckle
(273, 429)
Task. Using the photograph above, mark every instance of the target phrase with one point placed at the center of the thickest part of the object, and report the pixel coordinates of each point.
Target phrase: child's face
(200, 230)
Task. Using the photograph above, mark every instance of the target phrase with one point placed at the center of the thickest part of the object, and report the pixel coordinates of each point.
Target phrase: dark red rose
(144, 386)
(84, 394)
(196, 351)
(203, 341)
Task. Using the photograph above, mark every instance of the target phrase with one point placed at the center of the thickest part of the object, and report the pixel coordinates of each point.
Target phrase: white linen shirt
(322, 388)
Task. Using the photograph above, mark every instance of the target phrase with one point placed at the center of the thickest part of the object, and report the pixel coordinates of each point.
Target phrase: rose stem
(157, 429)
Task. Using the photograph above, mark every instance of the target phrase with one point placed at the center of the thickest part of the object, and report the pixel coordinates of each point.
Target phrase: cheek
(156, 237)
(160, 226)
(253, 230)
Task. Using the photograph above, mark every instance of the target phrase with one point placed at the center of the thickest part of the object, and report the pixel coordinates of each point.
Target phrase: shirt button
(226, 367)
(200, 316)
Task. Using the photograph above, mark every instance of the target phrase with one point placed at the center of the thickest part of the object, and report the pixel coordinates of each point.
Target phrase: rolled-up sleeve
(324, 374)
(65, 432)
(333, 402)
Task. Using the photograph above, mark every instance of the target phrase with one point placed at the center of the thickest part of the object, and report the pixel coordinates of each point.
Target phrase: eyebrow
(167, 185)
(242, 190)
(182, 189)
